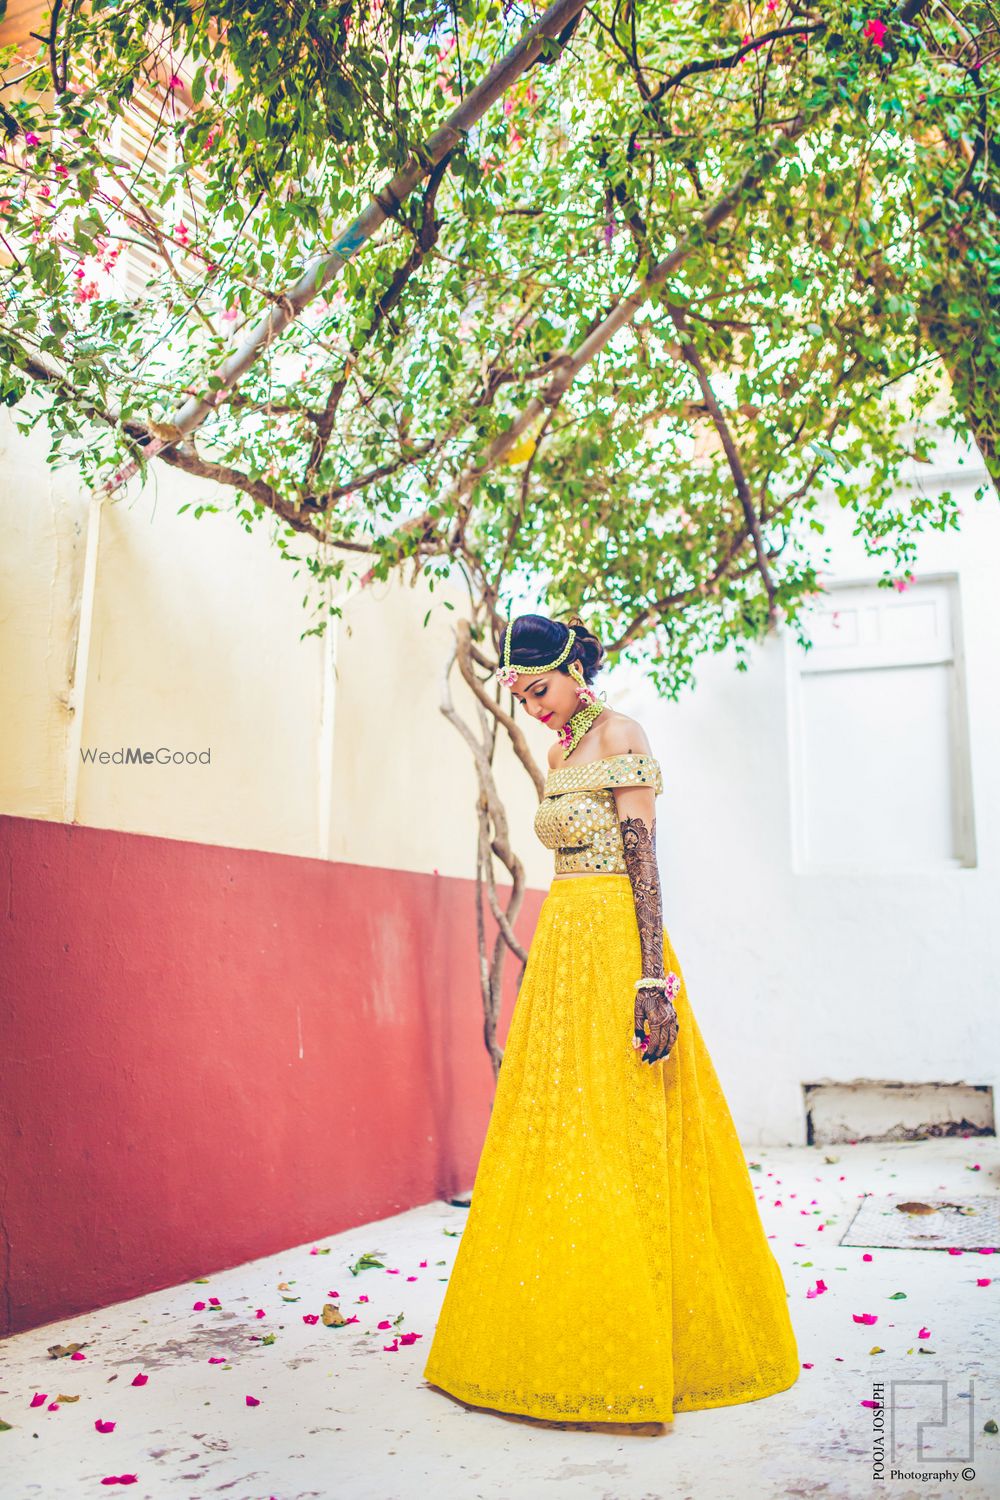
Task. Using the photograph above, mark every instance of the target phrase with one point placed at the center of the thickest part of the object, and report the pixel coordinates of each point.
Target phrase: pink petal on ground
(983, 1280)
(52, 1406)
(866, 1257)
(198, 1307)
(78, 1355)
(128, 1479)
(38, 1399)
(105, 1426)
(409, 1338)
(393, 1272)
(924, 1333)
(260, 1313)
(252, 1401)
(955, 1250)
(865, 1317)
(333, 1294)
(385, 1323)
(350, 1320)
(217, 1359)
(363, 1297)
(411, 1278)
(391, 1348)
(875, 1404)
(140, 1380)
(214, 1301)
(807, 1367)
(423, 1263)
(310, 1317)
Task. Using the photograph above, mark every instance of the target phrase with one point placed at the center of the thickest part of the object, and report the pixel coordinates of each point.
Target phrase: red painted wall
(210, 1054)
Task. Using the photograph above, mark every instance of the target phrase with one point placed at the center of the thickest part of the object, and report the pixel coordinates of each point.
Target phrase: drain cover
(925, 1224)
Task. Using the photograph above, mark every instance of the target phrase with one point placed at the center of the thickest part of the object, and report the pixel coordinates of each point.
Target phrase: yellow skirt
(613, 1266)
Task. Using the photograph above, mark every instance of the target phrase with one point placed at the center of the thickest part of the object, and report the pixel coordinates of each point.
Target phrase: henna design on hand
(639, 843)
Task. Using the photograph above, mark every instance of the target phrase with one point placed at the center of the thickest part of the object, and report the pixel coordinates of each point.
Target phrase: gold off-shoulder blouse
(578, 817)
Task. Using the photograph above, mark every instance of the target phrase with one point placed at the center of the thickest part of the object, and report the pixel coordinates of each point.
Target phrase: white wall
(798, 975)
(195, 643)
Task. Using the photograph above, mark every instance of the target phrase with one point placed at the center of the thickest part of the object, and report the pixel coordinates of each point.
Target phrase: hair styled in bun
(537, 639)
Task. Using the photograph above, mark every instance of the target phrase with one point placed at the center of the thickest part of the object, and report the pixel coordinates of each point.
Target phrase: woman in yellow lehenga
(613, 1267)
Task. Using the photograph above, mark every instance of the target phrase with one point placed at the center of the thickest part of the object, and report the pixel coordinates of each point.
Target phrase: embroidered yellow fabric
(613, 1265)
(578, 817)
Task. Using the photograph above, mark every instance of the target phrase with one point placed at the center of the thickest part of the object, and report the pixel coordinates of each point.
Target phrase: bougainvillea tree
(606, 294)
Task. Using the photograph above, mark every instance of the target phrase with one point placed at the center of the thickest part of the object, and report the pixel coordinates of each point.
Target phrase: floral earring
(584, 691)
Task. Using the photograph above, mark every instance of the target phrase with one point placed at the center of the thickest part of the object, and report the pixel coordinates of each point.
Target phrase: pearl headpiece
(506, 674)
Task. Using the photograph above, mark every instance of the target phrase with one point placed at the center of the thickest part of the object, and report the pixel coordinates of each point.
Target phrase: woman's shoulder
(619, 735)
(623, 735)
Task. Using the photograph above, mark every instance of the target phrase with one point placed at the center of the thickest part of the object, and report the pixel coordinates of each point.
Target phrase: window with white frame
(879, 733)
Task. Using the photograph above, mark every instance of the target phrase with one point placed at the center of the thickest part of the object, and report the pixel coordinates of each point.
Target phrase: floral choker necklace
(577, 725)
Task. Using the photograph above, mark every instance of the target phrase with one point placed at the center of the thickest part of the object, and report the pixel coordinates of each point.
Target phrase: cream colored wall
(195, 644)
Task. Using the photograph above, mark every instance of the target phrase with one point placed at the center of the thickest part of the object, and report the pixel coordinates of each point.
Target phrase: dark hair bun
(537, 640)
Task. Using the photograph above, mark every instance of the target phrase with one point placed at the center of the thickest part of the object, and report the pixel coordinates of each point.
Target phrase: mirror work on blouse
(578, 817)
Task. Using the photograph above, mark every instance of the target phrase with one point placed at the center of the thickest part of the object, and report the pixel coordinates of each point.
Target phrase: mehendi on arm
(652, 1004)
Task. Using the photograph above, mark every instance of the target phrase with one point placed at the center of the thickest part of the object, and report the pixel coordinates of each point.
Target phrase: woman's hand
(653, 1006)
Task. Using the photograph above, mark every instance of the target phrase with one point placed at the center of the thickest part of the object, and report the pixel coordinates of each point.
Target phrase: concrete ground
(344, 1412)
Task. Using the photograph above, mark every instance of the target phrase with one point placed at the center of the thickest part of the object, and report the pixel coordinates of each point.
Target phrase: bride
(613, 1266)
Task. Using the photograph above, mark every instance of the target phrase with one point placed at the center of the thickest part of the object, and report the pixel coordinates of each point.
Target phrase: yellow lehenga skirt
(613, 1266)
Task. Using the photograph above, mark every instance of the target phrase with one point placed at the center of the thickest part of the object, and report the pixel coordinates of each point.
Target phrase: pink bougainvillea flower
(875, 1404)
(354, 1319)
(409, 1338)
(865, 1317)
(120, 1479)
(983, 1280)
(956, 1250)
(175, 82)
(875, 31)
(987, 1250)
(393, 1271)
(229, 314)
(198, 1307)
(391, 1348)
(39, 1398)
(364, 1295)
(924, 1333)
(866, 1256)
(385, 1323)
(78, 1355)
(31, 139)
(252, 1401)
(214, 1301)
(411, 1278)
(819, 1288)
(333, 1294)
(217, 1359)
(260, 1313)
(61, 171)
(807, 1367)
(104, 1426)
(423, 1263)
(310, 1317)
(140, 1380)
